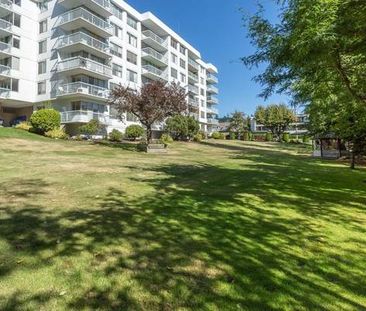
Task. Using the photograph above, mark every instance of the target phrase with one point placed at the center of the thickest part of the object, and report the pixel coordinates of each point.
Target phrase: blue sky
(216, 29)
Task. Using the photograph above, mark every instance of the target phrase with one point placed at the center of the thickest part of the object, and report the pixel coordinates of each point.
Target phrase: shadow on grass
(127, 146)
(250, 237)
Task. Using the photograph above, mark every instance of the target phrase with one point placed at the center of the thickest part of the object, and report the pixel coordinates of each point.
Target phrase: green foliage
(25, 126)
(134, 131)
(58, 133)
(199, 137)
(166, 139)
(45, 120)
(269, 137)
(91, 128)
(246, 136)
(182, 127)
(305, 139)
(115, 135)
(238, 123)
(232, 136)
(286, 137)
(215, 135)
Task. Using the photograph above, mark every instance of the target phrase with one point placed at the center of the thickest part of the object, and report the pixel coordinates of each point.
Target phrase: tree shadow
(250, 236)
(127, 146)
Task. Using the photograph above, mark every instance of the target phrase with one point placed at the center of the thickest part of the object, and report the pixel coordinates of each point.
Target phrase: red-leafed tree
(153, 103)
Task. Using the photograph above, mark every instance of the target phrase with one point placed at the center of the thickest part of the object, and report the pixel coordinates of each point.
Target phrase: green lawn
(216, 226)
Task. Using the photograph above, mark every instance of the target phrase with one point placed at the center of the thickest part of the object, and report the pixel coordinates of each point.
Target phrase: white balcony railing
(212, 110)
(153, 36)
(155, 71)
(7, 4)
(212, 100)
(103, 3)
(212, 121)
(86, 15)
(5, 70)
(192, 88)
(212, 89)
(212, 78)
(81, 116)
(193, 102)
(83, 38)
(154, 54)
(84, 63)
(82, 88)
(193, 76)
(193, 63)
(5, 47)
(4, 93)
(5, 25)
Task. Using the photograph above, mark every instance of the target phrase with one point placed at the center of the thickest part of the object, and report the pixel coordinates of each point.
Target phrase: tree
(134, 131)
(238, 123)
(317, 54)
(182, 127)
(152, 104)
(275, 117)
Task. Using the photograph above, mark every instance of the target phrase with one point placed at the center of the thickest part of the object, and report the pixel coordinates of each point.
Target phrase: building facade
(70, 53)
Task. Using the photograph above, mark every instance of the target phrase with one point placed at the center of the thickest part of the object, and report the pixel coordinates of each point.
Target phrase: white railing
(4, 47)
(212, 110)
(103, 3)
(81, 116)
(86, 15)
(4, 93)
(212, 100)
(194, 115)
(193, 102)
(212, 89)
(5, 70)
(83, 38)
(212, 77)
(212, 121)
(156, 71)
(5, 25)
(193, 88)
(193, 63)
(82, 88)
(155, 54)
(193, 76)
(7, 4)
(153, 36)
(85, 63)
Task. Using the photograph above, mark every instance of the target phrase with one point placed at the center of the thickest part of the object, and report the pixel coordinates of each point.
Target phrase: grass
(217, 226)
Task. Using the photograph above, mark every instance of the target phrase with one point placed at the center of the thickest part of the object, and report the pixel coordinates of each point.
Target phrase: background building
(70, 53)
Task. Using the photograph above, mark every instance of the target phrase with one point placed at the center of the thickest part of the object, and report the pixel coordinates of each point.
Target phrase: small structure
(329, 146)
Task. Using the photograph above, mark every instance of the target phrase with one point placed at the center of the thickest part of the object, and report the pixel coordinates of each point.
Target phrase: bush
(199, 137)
(269, 137)
(222, 136)
(166, 139)
(134, 131)
(25, 126)
(286, 137)
(45, 120)
(215, 135)
(232, 136)
(56, 134)
(115, 135)
(250, 136)
(91, 128)
(305, 139)
(246, 136)
(182, 127)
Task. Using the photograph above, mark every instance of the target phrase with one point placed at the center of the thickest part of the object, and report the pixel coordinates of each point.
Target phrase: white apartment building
(69, 53)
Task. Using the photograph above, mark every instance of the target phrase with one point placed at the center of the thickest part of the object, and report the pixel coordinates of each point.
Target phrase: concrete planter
(153, 148)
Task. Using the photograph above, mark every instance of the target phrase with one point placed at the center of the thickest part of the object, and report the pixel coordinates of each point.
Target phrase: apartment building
(70, 53)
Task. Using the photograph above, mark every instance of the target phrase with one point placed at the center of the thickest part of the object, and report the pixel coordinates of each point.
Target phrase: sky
(216, 29)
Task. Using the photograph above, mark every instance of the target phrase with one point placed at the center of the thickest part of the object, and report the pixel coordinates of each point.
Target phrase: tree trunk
(353, 160)
(148, 134)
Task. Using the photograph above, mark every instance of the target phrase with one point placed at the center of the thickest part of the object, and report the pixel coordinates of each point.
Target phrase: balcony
(212, 100)
(211, 110)
(101, 7)
(193, 89)
(193, 78)
(153, 40)
(193, 103)
(212, 78)
(82, 90)
(212, 121)
(5, 49)
(82, 42)
(212, 89)
(80, 65)
(196, 116)
(154, 73)
(154, 57)
(81, 116)
(4, 93)
(5, 71)
(6, 7)
(6, 28)
(82, 18)
(193, 65)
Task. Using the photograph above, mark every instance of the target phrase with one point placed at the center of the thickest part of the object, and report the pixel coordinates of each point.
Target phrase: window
(17, 2)
(183, 49)
(202, 92)
(174, 44)
(174, 73)
(16, 21)
(15, 63)
(132, 40)
(117, 70)
(117, 31)
(131, 76)
(131, 22)
(202, 103)
(183, 78)
(116, 50)
(16, 42)
(131, 57)
(174, 58)
(203, 115)
(42, 67)
(116, 11)
(15, 85)
(43, 26)
(42, 47)
(182, 63)
(41, 87)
